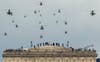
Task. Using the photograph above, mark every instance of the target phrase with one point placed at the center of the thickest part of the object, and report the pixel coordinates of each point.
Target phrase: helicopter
(59, 11)
(42, 27)
(41, 3)
(9, 12)
(41, 36)
(5, 34)
(16, 26)
(92, 13)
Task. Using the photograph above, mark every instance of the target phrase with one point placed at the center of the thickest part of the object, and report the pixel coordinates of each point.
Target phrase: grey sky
(82, 28)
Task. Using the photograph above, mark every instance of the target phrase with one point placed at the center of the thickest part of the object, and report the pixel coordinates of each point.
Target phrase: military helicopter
(41, 3)
(65, 32)
(16, 26)
(5, 34)
(9, 12)
(41, 36)
(35, 12)
(92, 13)
(59, 11)
(65, 23)
(41, 28)
(13, 21)
(25, 16)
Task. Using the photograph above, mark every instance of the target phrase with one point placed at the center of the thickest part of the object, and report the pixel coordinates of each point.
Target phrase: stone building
(49, 53)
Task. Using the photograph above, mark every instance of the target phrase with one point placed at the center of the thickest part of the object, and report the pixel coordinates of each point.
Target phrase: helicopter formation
(10, 13)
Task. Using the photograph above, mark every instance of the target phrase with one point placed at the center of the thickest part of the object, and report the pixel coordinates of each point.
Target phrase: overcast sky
(83, 29)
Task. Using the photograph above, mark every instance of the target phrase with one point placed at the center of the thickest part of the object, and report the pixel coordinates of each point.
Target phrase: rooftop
(49, 50)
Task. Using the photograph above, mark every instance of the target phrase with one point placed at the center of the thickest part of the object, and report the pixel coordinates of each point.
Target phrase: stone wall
(49, 59)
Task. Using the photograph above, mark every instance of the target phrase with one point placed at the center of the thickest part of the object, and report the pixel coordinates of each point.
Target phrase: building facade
(49, 53)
